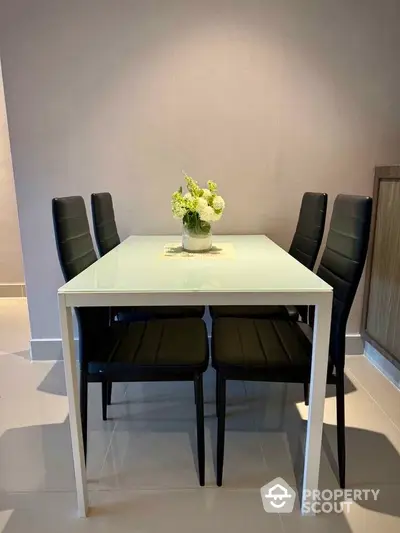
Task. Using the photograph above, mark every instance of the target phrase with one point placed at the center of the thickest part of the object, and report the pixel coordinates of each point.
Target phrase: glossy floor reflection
(142, 461)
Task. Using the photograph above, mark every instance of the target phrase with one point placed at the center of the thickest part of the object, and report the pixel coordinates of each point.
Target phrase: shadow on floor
(372, 460)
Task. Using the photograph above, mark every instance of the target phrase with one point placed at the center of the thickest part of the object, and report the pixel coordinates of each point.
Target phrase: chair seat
(153, 350)
(254, 311)
(261, 349)
(134, 314)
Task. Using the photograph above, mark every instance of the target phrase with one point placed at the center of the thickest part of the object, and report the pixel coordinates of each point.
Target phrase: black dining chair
(107, 238)
(104, 225)
(153, 350)
(280, 350)
(305, 247)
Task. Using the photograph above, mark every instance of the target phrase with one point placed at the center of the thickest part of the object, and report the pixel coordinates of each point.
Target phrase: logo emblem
(277, 496)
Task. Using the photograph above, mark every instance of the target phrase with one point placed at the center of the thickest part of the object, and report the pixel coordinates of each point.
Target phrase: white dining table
(241, 269)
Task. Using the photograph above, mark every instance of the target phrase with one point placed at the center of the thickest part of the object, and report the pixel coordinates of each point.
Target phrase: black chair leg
(104, 398)
(198, 393)
(341, 429)
(221, 407)
(83, 407)
(109, 391)
(216, 394)
(306, 392)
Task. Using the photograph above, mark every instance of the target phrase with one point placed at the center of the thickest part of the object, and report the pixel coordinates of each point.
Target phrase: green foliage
(194, 224)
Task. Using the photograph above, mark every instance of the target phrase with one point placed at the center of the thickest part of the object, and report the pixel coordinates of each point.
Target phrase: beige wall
(269, 98)
(11, 270)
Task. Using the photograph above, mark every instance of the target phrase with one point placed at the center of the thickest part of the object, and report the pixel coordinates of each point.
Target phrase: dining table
(238, 270)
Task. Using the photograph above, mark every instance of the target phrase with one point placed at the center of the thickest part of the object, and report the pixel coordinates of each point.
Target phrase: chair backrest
(105, 227)
(74, 242)
(310, 229)
(343, 261)
(308, 235)
(76, 253)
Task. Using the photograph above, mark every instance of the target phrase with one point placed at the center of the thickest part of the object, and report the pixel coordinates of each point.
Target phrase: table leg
(319, 366)
(71, 380)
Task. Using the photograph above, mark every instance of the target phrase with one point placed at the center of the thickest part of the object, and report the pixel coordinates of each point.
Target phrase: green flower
(212, 186)
(193, 186)
(190, 201)
(178, 204)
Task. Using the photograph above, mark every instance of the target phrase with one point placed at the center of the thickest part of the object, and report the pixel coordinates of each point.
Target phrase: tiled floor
(142, 462)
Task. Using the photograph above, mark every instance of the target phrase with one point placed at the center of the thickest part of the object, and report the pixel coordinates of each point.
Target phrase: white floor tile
(142, 462)
(197, 511)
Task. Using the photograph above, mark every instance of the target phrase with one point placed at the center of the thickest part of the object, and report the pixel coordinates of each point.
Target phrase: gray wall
(11, 270)
(268, 98)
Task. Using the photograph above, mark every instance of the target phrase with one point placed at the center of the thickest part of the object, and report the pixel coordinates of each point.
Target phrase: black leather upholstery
(141, 350)
(74, 242)
(305, 247)
(266, 344)
(343, 261)
(255, 311)
(154, 312)
(310, 229)
(104, 225)
(260, 349)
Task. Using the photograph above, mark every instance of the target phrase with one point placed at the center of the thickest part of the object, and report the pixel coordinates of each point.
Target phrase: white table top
(138, 266)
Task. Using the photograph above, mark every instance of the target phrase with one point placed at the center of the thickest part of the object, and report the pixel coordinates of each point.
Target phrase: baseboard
(354, 344)
(12, 290)
(51, 349)
(48, 349)
(384, 366)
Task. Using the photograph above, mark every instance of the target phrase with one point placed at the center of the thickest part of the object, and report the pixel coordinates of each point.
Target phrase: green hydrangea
(178, 204)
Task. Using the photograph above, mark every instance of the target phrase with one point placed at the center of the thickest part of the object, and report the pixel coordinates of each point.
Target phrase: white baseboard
(383, 365)
(51, 350)
(12, 290)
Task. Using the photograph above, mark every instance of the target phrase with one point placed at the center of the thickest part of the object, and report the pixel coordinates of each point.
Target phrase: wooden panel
(383, 307)
(388, 172)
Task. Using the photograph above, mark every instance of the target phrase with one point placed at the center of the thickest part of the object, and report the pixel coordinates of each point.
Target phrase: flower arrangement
(197, 208)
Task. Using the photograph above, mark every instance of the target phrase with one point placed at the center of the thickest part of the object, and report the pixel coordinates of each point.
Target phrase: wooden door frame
(382, 173)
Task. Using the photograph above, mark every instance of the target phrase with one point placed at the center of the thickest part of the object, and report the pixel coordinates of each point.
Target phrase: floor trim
(12, 290)
(50, 349)
(354, 344)
(382, 364)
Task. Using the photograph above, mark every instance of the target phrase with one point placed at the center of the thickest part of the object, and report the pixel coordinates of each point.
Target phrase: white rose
(207, 214)
(201, 205)
(218, 203)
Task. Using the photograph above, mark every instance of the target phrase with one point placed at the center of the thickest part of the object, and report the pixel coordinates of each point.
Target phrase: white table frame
(323, 304)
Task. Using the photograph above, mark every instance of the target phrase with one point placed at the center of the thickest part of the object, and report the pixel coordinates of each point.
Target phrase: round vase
(196, 242)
